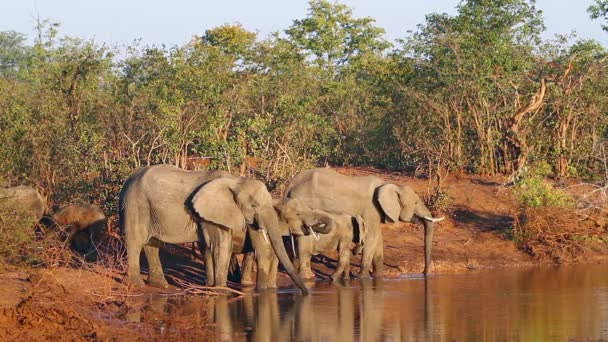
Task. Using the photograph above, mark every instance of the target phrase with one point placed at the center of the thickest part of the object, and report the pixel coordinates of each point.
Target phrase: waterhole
(533, 304)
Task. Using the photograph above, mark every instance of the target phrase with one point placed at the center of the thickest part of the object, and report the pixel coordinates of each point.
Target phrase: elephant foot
(261, 288)
(158, 281)
(135, 282)
(337, 276)
(308, 275)
(247, 282)
(364, 274)
(378, 275)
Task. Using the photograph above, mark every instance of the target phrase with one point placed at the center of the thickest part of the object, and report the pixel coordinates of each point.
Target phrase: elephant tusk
(432, 219)
(315, 234)
(293, 245)
(265, 236)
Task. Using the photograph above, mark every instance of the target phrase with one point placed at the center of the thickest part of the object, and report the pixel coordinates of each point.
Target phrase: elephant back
(27, 198)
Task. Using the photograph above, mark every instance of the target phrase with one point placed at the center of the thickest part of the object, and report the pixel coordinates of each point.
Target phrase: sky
(155, 22)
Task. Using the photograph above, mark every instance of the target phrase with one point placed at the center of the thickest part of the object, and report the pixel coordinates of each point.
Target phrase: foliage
(534, 191)
(477, 91)
(599, 10)
(18, 243)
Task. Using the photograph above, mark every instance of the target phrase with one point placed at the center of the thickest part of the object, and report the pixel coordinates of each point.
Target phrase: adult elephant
(369, 197)
(26, 198)
(165, 203)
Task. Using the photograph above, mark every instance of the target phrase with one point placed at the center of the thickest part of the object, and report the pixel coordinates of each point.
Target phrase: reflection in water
(528, 305)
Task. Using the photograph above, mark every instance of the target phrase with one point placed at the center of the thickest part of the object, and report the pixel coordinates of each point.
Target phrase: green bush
(533, 190)
(18, 243)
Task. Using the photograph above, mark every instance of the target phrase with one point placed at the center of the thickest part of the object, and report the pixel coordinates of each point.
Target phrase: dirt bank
(92, 304)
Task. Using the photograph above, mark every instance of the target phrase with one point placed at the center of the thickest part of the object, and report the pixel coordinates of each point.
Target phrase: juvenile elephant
(369, 197)
(86, 224)
(341, 231)
(168, 204)
(317, 231)
(26, 198)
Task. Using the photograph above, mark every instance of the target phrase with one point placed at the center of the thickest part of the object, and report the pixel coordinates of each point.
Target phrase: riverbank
(93, 304)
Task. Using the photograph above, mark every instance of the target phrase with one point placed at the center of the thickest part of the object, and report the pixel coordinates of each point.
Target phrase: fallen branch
(192, 289)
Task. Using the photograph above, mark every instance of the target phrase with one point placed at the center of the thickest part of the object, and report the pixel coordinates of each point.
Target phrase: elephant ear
(215, 202)
(388, 198)
(320, 220)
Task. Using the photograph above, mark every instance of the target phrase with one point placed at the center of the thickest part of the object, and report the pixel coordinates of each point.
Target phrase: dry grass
(556, 234)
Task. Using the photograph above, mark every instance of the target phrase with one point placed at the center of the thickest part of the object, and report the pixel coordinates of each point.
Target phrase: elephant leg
(371, 243)
(263, 255)
(305, 269)
(274, 269)
(246, 278)
(366, 262)
(346, 275)
(209, 267)
(156, 277)
(343, 261)
(208, 257)
(378, 260)
(133, 253)
(304, 254)
(222, 253)
(263, 263)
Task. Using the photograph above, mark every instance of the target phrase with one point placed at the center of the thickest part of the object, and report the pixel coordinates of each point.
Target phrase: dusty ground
(68, 304)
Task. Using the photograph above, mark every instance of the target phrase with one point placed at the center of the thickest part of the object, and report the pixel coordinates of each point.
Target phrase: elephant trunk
(271, 224)
(429, 228)
(423, 213)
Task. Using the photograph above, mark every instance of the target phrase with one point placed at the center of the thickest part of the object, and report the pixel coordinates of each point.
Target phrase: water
(539, 304)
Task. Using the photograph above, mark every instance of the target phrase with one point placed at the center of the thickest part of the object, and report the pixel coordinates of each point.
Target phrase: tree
(231, 39)
(332, 37)
(13, 52)
(473, 76)
(599, 10)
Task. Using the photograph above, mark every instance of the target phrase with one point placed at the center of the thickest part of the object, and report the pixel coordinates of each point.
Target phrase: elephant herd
(227, 214)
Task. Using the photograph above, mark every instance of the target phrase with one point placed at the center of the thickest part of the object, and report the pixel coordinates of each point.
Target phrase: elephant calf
(341, 230)
(85, 225)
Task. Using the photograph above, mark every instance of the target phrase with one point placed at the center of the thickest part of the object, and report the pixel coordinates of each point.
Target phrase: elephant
(215, 238)
(27, 198)
(172, 205)
(340, 232)
(86, 224)
(369, 197)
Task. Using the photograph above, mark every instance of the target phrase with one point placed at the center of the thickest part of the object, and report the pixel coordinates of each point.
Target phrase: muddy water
(537, 304)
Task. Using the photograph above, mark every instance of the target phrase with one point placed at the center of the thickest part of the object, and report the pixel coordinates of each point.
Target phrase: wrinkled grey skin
(296, 220)
(215, 240)
(165, 203)
(369, 197)
(27, 198)
(339, 235)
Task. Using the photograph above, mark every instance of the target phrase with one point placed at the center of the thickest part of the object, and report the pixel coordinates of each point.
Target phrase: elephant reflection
(347, 314)
(258, 316)
(364, 310)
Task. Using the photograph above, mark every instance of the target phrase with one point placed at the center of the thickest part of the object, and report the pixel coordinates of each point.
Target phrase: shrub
(17, 236)
(532, 190)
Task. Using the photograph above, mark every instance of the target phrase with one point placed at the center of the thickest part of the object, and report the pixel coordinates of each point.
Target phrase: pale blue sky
(175, 22)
